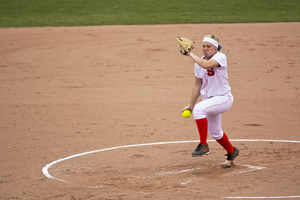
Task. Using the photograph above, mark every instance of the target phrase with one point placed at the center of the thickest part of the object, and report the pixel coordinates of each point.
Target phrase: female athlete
(211, 81)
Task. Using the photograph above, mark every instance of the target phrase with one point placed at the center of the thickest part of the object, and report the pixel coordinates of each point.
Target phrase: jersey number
(210, 72)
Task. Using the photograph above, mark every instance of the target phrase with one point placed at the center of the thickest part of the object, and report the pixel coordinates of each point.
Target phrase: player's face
(208, 49)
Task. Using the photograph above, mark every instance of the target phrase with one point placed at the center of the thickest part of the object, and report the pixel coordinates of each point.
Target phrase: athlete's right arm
(195, 94)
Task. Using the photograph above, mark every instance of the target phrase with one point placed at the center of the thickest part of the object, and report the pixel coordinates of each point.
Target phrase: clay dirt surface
(69, 90)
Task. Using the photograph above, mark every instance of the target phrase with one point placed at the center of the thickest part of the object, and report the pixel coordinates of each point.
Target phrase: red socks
(202, 129)
(225, 143)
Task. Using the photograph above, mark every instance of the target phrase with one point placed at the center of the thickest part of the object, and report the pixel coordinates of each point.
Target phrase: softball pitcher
(211, 81)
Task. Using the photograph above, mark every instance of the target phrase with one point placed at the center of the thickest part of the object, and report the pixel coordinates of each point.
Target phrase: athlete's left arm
(206, 64)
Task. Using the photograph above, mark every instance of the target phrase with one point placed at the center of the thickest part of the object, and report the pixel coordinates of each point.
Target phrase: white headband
(210, 40)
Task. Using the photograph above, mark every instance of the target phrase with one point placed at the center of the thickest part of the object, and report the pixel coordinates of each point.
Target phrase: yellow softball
(186, 113)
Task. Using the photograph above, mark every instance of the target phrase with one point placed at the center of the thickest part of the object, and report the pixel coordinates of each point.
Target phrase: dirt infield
(69, 90)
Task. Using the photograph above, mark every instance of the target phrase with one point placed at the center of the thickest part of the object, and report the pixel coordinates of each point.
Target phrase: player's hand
(187, 108)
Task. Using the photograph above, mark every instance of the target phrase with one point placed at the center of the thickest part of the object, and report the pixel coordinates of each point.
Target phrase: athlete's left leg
(213, 113)
(216, 132)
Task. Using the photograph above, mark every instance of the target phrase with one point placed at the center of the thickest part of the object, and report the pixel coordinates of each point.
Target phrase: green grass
(30, 13)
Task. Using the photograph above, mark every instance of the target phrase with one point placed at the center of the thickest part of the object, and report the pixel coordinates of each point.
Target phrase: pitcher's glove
(185, 45)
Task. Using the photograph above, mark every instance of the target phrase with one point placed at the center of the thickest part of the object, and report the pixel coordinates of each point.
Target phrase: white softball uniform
(216, 95)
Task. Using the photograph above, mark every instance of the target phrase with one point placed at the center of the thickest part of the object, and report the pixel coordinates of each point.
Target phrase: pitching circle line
(46, 173)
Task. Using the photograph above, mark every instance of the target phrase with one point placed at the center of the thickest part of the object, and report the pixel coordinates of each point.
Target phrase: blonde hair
(213, 37)
(216, 38)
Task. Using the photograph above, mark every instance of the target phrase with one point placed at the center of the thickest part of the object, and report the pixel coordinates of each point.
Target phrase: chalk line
(48, 175)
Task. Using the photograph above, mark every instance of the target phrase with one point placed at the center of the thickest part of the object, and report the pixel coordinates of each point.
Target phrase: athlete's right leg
(202, 130)
(201, 122)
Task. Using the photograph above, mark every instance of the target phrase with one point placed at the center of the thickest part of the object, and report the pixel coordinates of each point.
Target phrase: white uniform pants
(212, 108)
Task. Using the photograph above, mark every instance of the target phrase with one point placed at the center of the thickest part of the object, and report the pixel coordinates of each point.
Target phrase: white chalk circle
(46, 173)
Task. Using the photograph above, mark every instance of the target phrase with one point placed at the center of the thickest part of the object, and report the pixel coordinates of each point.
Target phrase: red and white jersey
(214, 80)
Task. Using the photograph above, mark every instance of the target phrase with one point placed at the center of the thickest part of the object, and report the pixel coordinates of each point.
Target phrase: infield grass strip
(24, 13)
